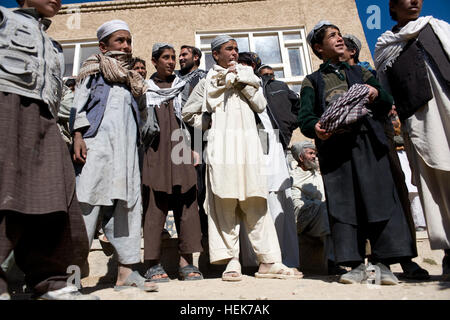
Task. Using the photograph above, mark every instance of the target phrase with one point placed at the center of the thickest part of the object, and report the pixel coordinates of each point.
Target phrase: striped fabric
(347, 109)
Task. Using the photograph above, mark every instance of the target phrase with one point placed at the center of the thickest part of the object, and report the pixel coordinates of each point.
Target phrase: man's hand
(232, 66)
(373, 93)
(79, 148)
(321, 133)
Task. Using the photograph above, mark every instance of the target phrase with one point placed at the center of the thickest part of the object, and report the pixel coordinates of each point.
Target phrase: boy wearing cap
(360, 192)
(106, 135)
(411, 269)
(225, 101)
(40, 218)
(167, 182)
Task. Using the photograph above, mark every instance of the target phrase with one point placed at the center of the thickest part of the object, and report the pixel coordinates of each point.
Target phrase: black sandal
(186, 270)
(156, 270)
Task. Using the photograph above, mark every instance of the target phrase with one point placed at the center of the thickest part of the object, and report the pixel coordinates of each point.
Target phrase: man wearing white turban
(236, 189)
(106, 135)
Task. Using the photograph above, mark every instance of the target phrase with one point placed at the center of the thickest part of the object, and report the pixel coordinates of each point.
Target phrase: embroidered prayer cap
(111, 26)
(160, 45)
(297, 148)
(354, 39)
(220, 40)
(316, 28)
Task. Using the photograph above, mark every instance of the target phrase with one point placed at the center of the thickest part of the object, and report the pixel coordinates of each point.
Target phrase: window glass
(87, 51)
(209, 61)
(291, 36)
(296, 88)
(268, 49)
(295, 62)
(68, 60)
(242, 43)
(278, 74)
(206, 40)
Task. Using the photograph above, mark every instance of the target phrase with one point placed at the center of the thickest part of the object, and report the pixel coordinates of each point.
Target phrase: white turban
(111, 26)
(219, 40)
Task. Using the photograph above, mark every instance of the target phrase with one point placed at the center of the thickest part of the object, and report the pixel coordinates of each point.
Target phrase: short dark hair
(319, 35)
(195, 52)
(264, 66)
(392, 13)
(20, 2)
(105, 40)
(352, 46)
(136, 60)
(246, 58)
(158, 53)
(70, 82)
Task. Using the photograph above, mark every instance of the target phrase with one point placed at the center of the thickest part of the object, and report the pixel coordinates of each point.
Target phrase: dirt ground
(100, 282)
(308, 288)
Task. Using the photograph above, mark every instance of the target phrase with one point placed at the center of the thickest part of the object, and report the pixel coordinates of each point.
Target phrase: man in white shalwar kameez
(224, 102)
(413, 62)
(105, 143)
(279, 200)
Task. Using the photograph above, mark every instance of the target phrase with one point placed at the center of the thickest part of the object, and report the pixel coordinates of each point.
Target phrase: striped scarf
(115, 68)
(347, 109)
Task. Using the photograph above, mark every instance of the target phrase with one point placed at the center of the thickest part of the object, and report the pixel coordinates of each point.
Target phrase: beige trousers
(224, 219)
(434, 192)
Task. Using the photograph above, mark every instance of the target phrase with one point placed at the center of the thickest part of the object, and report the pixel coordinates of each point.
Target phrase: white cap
(160, 45)
(219, 40)
(111, 26)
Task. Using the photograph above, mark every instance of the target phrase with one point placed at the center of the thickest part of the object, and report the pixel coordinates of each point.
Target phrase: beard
(311, 165)
(187, 66)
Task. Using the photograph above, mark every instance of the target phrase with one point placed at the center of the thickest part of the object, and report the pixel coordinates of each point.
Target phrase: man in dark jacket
(283, 104)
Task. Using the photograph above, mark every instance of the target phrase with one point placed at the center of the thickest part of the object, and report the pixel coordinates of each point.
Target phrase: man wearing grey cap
(226, 102)
(352, 51)
(167, 183)
(106, 135)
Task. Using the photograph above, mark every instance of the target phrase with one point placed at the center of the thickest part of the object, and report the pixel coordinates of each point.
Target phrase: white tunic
(234, 152)
(111, 170)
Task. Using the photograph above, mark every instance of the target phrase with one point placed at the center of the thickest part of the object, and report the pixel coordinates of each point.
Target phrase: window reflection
(68, 60)
(242, 43)
(295, 61)
(268, 49)
(87, 51)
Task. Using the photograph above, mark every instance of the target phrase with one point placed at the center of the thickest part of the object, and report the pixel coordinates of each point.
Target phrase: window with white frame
(285, 50)
(75, 53)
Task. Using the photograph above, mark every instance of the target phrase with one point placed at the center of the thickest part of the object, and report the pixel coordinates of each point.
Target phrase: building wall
(176, 22)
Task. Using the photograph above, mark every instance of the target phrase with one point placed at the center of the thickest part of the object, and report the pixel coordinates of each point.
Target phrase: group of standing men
(137, 153)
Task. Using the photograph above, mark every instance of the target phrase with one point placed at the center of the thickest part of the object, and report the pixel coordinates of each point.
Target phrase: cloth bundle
(347, 109)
